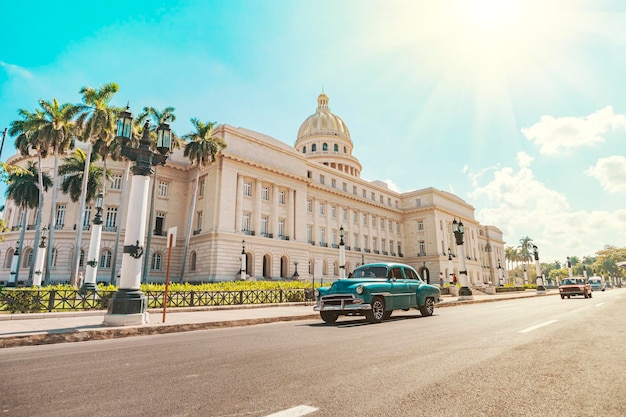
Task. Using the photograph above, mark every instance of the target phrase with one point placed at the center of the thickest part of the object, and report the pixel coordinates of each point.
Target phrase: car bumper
(342, 306)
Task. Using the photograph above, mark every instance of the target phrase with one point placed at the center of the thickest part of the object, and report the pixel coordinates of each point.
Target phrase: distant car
(596, 284)
(575, 286)
(375, 291)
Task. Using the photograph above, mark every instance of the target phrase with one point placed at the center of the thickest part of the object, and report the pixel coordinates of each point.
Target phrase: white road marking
(300, 410)
(530, 329)
(598, 305)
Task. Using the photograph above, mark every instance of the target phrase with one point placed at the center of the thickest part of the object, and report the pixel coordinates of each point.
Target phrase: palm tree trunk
(53, 213)
(81, 216)
(120, 223)
(192, 208)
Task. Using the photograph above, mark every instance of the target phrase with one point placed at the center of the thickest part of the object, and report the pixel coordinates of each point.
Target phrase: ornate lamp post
(89, 283)
(450, 272)
(500, 273)
(12, 282)
(540, 285)
(465, 293)
(128, 305)
(242, 271)
(342, 254)
(295, 274)
(569, 267)
(525, 275)
(41, 256)
(585, 272)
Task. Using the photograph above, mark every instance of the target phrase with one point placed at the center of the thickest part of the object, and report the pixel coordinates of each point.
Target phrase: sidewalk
(46, 328)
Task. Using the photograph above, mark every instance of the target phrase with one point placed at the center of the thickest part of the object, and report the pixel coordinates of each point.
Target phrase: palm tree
(524, 249)
(72, 170)
(25, 190)
(201, 151)
(97, 121)
(158, 117)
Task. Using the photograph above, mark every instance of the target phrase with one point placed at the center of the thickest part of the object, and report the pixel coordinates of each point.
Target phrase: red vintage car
(575, 286)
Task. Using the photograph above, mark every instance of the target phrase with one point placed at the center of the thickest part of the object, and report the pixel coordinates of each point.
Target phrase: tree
(524, 249)
(72, 170)
(97, 121)
(201, 150)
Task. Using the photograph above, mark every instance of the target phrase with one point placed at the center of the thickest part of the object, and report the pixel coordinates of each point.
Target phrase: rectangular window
(281, 227)
(420, 225)
(334, 237)
(373, 221)
(344, 214)
(156, 262)
(247, 189)
(381, 199)
(374, 243)
(418, 202)
(116, 182)
(390, 225)
(322, 208)
(87, 217)
(245, 224)
(265, 193)
(354, 189)
(373, 196)
(422, 248)
(111, 217)
(309, 233)
(333, 183)
(159, 224)
(333, 211)
(364, 193)
(281, 197)
(199, 223)
(322, 179)
(60, 215)
(345, 187)
(322, 234)
(354, 219)
(382, 224)
(263, 225)
(364, 219)
(163, 186)
(309, 206)
(365, 245)
(201, 189)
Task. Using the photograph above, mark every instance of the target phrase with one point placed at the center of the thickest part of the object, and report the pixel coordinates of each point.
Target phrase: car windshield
(370, 272)
(572, 282)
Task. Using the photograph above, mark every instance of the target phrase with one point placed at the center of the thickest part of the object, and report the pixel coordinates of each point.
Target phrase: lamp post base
(541, 289)
(465, 293)
(88, 286)
(128, 307)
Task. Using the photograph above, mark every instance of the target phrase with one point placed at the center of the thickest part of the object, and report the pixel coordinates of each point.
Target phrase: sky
(518, 107)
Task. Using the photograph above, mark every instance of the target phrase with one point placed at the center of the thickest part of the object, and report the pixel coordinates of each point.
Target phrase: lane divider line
(530, 329)
(300, 410)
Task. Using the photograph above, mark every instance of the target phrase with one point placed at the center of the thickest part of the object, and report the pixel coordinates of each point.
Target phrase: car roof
(387, 264)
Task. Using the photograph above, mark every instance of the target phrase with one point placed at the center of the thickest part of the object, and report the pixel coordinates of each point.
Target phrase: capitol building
(280, 207)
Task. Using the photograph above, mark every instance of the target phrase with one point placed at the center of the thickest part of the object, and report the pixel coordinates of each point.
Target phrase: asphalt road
(539, 356)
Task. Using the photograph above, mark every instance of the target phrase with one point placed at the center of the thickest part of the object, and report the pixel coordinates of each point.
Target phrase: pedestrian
(454, 279)
(79, 280)
(441, 279)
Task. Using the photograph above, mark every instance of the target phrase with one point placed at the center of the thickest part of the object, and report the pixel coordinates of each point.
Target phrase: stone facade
(280, 204)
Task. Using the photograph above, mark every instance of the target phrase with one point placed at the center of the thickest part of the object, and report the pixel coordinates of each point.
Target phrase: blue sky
(518, 107)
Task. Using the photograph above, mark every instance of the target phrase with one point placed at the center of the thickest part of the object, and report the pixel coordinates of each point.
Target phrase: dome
(323, 122)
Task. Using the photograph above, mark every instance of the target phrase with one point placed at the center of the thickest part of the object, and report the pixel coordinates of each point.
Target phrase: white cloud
(16, 70)
(523, 159)
(392, 185)
(556, 135)
(521, 206)
(611, 173)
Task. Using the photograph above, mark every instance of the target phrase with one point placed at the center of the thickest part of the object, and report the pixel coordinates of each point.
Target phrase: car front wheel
(377, 313)
(428, 308)
(328, 317)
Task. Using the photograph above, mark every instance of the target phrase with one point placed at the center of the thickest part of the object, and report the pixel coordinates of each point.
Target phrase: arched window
(9, 258)
(27, 258)
(304, 149)
(314, 147)
(155, 265)
(192, 262)
(344, 150)
(325, 146)
(105, 259)
(81, 263)
(324, 268)
(336, 148)
(284, 267)
(267, 266)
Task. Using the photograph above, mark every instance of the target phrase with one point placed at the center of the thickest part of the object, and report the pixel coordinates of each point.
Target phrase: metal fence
(29, 300)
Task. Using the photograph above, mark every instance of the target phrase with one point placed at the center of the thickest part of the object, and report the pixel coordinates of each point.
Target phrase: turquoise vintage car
(374, 291)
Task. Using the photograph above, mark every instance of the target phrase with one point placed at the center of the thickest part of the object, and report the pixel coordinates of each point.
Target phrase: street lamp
(41, 255)
(295, 274)
(89, 283)
(569, 267)
(242, 271)
(342, 254)
(500, 273)
(12, 282)
(465, 292)
(539, 280)
(525, 275)
(128, 305)
(450, 272)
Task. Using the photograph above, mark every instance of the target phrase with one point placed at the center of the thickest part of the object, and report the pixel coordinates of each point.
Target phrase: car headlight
(316, 293)
(359, 289)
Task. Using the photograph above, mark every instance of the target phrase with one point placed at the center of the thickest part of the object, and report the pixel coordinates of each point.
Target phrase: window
(364, 219)
(304, 149)
(333, 183)
(322, 235)
(345, 150)
(354, 219)
(314, 148)
(382, 199)
(365, 245)
(375, 243)
(356, 239)
(87, 219)
(373, 196)
(390, 225)
(325, 146)
(105, 259)
(263, 225)
(309, 206)
(344, 214)
(397, 227)
(163, 186)
(81, 261)
(245, 224)
(111, 217)
(156, 262)
(334, 237)
(265, 193)
(281, 227)
(192, 261)
(382, 224)
(418, 202)
(333, 211)
(354, 189)
(60, 215)
(364, 193)
(321, 179)
(373, 221)
(28, 261)
(199, 224)
(247, 189)
(54, 257)
(309, 233)
(201, 189)
(345, 187)
(322, 208)
(422, 248)
(116, 182)
(420, 225)
(281, 197)
(389, 202)
(158, 225)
